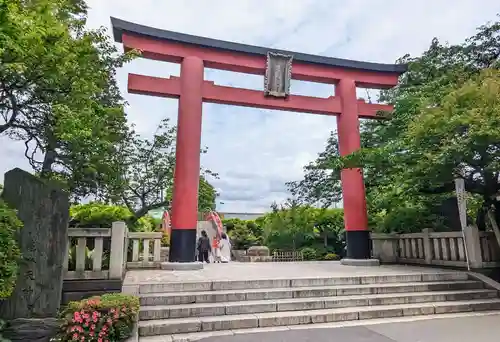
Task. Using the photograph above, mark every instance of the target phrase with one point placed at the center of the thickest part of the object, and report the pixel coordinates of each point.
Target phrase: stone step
(197, 336)
(287, 318)
(298, 304)
(220, 285)
(173, 298)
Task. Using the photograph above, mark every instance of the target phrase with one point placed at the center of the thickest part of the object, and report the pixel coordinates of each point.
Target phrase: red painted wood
(187, 152)
(252, 64)
(254, 98)
(154, 86)
(353, 188)
(170, 87)
(192, 91)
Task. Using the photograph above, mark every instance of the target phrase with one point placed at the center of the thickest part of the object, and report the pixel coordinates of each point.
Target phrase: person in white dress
(225, 249)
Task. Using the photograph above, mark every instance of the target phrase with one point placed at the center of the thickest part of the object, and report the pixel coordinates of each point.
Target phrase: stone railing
(146, 250)
(106, 253)
(96, 253)
(438, 248)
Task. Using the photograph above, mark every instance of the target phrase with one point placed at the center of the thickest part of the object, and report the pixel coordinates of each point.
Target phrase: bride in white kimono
(225, 249)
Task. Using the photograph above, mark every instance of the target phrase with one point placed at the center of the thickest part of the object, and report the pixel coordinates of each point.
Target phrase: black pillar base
(182, 245)
(358, 244)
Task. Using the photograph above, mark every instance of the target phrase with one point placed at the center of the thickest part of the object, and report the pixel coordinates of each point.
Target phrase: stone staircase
(173, 311)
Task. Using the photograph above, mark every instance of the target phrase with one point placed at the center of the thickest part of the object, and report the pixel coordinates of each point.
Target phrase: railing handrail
(89, 232)
(455, 248)
(112, 244)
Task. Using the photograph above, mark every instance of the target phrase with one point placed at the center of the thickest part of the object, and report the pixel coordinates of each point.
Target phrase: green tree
(9, 250)
(147, 173)
(96, 214)
(58, 92)
(289, 226)
(314, 231)
(411, 156)
(207, 194)
(244, 233)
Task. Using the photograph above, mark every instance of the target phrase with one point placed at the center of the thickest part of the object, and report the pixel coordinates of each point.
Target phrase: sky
(256, 151)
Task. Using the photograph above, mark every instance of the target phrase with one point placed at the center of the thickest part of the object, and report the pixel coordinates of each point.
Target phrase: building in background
(241, 216)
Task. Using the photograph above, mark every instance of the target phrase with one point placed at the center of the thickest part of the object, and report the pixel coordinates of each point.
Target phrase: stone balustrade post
(473, 244)
(117, 254)
(385, 247)
(428, 247)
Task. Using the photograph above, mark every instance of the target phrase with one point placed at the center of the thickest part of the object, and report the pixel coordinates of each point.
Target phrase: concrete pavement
(477, 328)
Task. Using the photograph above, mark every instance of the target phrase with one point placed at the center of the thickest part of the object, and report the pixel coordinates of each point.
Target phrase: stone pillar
(385, 247)
(44, 210)
(187, 165)
(353, 188)
(473, 244)
(117, 257)
(428, 247)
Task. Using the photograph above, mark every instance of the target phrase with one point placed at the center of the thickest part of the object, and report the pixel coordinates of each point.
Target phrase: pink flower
(75, 337)
(99, 340)
(77, 317)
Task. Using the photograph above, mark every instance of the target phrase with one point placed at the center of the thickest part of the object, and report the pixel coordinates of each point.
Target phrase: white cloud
(256, 151)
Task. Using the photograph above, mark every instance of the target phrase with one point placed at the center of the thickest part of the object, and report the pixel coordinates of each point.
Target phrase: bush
(165, 240)
(110, 317)
(331, 256)
(9, 250)
(98, 214)
(241, 237)
(294, 227)
(309, 253)
(147, 223)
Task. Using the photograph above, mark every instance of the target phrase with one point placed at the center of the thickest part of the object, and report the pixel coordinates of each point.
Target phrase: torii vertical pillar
(196, 52)
(353, 188)
(187, 162)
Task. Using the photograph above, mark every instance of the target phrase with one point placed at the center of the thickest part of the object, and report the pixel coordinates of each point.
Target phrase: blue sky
(256, 151)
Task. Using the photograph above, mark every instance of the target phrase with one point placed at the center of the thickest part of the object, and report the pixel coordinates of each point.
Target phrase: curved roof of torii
(121, 26)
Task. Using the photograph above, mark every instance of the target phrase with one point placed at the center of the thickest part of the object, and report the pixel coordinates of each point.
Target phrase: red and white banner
(213, 216)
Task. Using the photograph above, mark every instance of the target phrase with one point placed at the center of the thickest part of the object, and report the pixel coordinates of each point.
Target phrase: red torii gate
(195, 53)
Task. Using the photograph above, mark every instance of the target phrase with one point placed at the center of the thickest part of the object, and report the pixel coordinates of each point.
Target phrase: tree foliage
(96, 214)
(10, 253)
(207, 194)
(243, 233)
(146, 173)
(293, 226)
(58, 92)
(444, 125)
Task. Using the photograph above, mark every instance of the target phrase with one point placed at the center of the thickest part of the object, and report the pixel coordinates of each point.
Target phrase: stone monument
(44, 210)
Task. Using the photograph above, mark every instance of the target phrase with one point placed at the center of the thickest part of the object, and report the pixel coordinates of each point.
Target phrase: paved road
(477, 329)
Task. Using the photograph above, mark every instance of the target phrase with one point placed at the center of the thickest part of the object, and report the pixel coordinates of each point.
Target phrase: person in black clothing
(204, 247)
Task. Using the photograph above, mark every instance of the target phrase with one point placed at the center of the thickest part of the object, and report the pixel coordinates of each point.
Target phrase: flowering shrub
(108, 318)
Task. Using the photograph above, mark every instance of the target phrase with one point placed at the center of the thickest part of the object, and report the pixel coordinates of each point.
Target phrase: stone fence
(106, 253)
(439, 248)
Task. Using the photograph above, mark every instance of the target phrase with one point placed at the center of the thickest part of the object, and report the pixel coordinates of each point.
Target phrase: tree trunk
(48, 161)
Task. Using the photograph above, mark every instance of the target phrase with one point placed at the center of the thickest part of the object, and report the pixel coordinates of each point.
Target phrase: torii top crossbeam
(172, 47)
(194, 53)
